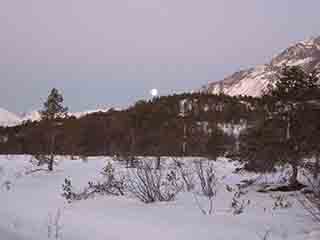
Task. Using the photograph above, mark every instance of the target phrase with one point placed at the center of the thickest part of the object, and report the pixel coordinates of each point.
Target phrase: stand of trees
(154, 127)
(289, 130)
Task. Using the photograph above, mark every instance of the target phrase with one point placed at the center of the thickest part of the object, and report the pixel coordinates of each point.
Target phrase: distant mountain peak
(8, 119)
(253, 81)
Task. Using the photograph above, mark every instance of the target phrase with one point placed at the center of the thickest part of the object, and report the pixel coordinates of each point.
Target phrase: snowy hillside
(8, 118)
(253, 82)
(84, 113)
(32, 207)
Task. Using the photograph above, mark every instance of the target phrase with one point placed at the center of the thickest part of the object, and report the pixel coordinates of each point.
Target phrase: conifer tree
(291, 96)
(53, 110)
(280, 137)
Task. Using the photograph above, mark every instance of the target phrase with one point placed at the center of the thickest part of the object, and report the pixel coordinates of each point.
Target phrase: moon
(154, 92)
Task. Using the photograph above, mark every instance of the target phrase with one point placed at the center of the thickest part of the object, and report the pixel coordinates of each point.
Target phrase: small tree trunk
(128, 161)
(158, 162)
(294, 177)
(105, 147)
(50, 165)
(132, 147)
(132, 159)
(52, 146)
(39, 160)
(288, 134)
(316, 167)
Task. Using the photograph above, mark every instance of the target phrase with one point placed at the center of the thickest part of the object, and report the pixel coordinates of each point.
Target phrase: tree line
(155, 127)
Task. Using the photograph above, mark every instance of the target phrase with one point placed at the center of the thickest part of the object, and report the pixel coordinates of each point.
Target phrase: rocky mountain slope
(253, 81)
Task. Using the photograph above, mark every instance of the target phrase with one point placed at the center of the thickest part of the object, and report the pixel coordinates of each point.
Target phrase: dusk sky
(110, 53)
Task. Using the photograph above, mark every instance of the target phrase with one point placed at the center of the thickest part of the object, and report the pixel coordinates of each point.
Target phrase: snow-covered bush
(109, 186)
(152, 185)
(67, 190)
(237, 203)
(280, 202)
(108, 171)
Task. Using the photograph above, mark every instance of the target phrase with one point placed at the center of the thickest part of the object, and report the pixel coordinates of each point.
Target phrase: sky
(110, 53)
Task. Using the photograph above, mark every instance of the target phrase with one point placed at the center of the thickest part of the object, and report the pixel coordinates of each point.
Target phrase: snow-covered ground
(31, 206)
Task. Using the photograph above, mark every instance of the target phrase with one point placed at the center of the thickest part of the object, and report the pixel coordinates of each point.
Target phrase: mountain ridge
(9, 119)
(253, 81)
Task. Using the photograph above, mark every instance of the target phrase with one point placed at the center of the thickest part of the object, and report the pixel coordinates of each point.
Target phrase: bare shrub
(208, 183)
(311, 198)
(152, 185)
(40, 159)
(186, 175)
(208, 179)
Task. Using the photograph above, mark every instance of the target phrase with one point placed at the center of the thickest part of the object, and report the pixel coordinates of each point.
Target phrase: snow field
(30, 204)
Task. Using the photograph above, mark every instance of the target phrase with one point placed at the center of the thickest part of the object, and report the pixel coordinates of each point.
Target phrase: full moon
(154, 92)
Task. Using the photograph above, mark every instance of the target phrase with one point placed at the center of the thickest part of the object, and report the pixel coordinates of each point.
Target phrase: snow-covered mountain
(35, 115)
(31, 116)
(84, 113)
(253, 81)
(8, 119)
